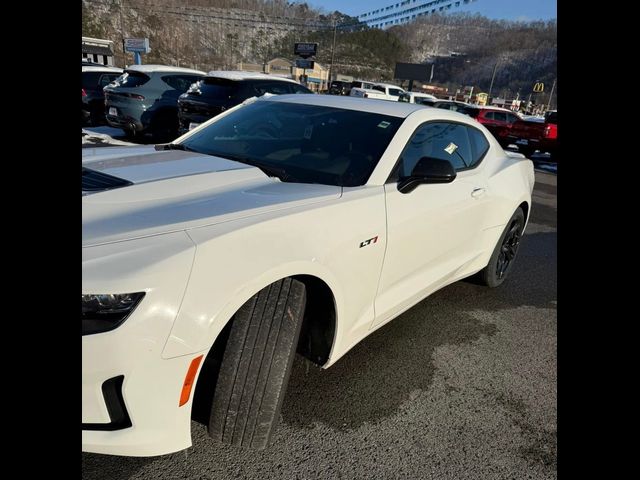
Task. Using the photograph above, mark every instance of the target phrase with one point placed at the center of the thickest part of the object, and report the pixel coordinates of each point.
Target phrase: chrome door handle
(478, 192)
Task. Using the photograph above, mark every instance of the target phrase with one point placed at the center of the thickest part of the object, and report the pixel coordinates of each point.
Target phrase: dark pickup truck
(531, 136)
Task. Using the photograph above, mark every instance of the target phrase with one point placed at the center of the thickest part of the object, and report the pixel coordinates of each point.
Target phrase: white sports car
(290, 223)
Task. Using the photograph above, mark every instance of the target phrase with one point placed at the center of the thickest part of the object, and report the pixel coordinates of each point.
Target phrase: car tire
(256, 365)
(506, 250)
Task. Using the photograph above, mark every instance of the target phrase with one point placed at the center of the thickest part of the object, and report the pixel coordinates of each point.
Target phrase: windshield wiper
(269, 170)
(174, 146)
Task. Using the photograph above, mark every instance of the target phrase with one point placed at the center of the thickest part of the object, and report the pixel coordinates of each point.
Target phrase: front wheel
(504, 254)
(256, 365)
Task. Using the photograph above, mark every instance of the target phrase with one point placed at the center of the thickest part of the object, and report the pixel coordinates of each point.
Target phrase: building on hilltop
(405, 11)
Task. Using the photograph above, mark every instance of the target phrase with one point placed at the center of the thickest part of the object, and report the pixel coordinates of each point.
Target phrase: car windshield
(300, 143)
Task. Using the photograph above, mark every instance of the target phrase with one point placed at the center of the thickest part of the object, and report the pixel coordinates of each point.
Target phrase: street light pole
(492, 78)
(333, 50)
(124, 58)
(551, 94)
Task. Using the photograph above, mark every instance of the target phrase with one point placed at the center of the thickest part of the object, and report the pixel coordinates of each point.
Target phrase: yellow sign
(538, 87)
(482, 98)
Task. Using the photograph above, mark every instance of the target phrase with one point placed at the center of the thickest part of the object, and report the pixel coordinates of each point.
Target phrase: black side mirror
(427, 170)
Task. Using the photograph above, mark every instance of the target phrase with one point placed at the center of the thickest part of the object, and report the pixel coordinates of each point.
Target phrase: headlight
(104, 312)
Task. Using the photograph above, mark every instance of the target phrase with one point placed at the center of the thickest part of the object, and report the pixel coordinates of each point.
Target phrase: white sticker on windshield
(452, 147)
(384, 124)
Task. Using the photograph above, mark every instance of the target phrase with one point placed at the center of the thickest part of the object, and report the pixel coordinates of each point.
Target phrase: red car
(495, 119)
(531, 136)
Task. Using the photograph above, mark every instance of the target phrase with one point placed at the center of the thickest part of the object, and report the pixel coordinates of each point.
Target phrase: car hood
(176, 190)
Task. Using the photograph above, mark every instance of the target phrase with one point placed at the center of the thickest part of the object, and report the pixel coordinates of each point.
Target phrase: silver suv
(144, 99)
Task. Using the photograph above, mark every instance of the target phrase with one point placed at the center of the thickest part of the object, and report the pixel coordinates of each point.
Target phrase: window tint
(511, 117)
(395, 92)
(298, 88)
(313, 144)
(218, 88)
(479, 145)
(378, 88)
(551, 117)
(500, 116)
(132, 79)
(489, 115)
(179, 82)
(89, 80)
(472, 112)
(405, 97)
(441, 140)
(107, 79)
(276, 88)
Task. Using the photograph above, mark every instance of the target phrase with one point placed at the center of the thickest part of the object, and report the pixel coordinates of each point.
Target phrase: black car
(94, 79)
(145, 99)
(338, 87)
(221, 90)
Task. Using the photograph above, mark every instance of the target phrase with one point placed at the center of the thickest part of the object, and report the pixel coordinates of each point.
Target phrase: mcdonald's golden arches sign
(538, 87)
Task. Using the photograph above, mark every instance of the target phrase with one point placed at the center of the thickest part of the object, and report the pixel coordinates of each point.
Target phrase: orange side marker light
(188, 380)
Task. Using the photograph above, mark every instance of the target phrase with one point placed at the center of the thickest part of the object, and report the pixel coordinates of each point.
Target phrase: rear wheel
(504, 254)
(256, 365)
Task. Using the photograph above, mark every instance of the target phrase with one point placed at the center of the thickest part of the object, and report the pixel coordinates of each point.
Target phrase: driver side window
(440, 140)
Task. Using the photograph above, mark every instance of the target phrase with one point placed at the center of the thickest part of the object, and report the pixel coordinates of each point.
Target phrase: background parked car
(340, 88)
(221, 90)
(145, 99)
(495, 119)
(530, 136)
(452, 105)
(417, 97)
(94, 79)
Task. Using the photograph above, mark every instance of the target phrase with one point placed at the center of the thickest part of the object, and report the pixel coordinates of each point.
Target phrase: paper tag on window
(452, 147)
(384, 124)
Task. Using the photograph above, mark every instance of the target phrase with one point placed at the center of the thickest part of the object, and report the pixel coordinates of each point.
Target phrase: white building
(406, 11)
(97, 50)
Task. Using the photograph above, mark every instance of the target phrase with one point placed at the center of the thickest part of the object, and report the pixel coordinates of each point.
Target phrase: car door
(433, 231)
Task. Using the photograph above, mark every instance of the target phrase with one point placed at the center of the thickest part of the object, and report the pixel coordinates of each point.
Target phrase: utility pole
(551, 94)
(492, 78)
(333, 49)
(124, 59)
(431, 76)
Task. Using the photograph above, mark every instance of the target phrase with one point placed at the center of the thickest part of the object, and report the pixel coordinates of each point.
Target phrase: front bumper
(130, 394)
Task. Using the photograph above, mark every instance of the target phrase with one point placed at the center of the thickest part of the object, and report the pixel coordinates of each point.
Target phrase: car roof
(391, 85)
(240, 75)
(105, 68)
(421, 94)
(162, 68)
(383, 107)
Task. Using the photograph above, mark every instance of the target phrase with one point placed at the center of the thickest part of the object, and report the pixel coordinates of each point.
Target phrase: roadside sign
(303, 63)
(139, 45)
(538, 87)
(305, 50)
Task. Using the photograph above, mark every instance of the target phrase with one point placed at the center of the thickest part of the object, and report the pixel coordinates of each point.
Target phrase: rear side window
(219, 88)
(132, 79)
(405, 97)
(424, 101)
(440, 140)
(298, 88)
(107, 79)
(395, 92)
(276, 88)
(90, 79)
(500, 116)
(379, 88)
(511, 117)
(180, 82)
(479, 146)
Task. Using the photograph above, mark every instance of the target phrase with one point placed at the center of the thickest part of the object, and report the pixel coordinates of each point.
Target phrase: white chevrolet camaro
(295, 223)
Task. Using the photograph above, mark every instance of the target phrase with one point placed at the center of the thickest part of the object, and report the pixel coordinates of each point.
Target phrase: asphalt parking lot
(462, 386)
